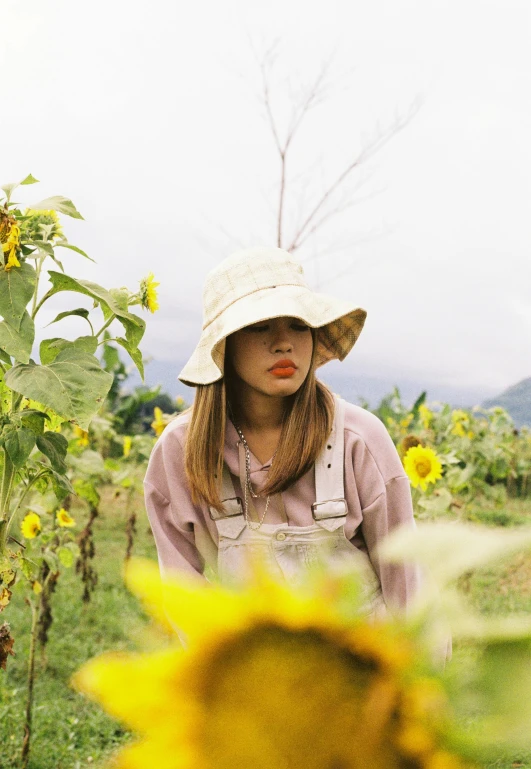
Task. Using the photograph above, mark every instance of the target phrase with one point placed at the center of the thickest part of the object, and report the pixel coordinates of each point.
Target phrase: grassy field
(68, 731)
(71, 733)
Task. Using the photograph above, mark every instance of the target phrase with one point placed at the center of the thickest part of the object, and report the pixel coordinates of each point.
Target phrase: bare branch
(314, 95)
(367, 152)
(352, 264)
(337, 210)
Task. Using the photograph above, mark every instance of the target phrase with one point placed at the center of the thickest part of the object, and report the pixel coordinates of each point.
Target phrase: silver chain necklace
(248, 486)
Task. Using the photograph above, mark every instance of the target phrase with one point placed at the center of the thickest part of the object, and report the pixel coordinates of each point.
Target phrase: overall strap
(228, 523)
(329, 468)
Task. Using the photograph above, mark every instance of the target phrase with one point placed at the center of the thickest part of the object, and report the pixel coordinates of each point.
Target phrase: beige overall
(290, 551)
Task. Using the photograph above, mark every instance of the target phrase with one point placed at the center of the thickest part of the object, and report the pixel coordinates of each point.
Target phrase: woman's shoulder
(176, 428)
(365, 424)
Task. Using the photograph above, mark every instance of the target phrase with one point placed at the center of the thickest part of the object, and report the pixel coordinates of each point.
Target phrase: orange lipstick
(283, 368)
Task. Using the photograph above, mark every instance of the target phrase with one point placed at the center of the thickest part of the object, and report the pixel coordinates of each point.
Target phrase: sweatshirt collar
(231, 453)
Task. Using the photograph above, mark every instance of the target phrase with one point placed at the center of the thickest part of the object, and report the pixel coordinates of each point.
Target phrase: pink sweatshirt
(377, 491)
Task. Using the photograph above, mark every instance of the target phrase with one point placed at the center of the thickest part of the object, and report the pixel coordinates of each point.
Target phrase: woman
(268, 463)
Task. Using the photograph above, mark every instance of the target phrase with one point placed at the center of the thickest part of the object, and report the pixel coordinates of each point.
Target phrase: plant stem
(24, 495)
(36, 309)
(3, 537)
(38, 268)
(6, 485)
(6, 488)
(31, 678)
(106, 324)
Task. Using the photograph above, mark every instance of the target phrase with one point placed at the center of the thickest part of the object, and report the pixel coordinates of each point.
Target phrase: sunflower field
(91, 669)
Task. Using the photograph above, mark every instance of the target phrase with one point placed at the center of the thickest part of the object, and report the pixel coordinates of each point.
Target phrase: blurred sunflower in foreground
(272, 677)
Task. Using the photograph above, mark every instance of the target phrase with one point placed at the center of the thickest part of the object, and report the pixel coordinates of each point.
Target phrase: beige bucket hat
(255, 284)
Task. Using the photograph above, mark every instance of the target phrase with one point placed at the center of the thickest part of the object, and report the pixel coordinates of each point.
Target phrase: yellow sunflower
(11, 246)
(271, 678)
(426, 416)
(64, 519)
(458, 415)
(460, 420)
(422, 466)
(35, 219)
(81, 435)
(127, 445)
(31, 525)
(148, 293)
(407, 442)
(159, 423)
(458, 430)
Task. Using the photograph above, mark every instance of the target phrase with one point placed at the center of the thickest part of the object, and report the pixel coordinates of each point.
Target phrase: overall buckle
(321, 516)
(216, 516)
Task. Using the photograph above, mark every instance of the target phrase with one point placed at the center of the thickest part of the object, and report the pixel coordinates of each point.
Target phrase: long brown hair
(307, 424)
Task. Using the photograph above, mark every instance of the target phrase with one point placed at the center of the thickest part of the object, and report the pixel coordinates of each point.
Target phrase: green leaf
(88, 463)
(18, 444)
(438, 503)
(43, 245)
(135, 354)
(133, 324)
(74, 248)
(16, 289)
(74, 548)
(18, 343)
(121, 297)
(66, 557)
(86, 489)
(60, 483)
(74, 385)
(34, 420)
(4, 356)
(81, 311)
(27, 567)
(50, 348)
(420, 400)
(54, 446)
(29, 180)
(8, 188)
(51, 561)
(57, 203)
(111, 357)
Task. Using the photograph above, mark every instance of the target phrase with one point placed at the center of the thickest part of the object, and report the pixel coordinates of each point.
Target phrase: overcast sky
(150, 118)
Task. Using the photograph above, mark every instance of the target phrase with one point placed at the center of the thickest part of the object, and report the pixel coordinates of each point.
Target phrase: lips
(283, 368)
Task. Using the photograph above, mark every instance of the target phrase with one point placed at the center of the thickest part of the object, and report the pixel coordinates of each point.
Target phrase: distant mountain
(351, 386)
(516, 400)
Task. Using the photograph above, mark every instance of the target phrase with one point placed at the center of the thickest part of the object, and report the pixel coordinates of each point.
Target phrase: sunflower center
(423, 467)
(282, 698)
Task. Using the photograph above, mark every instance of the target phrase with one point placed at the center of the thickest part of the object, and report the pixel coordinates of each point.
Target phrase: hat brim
(339, 324)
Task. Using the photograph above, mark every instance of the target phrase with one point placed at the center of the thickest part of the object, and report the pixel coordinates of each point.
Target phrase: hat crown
(244, 272)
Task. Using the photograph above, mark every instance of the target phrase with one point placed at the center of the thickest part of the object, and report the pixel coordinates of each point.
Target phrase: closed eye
(300, 327)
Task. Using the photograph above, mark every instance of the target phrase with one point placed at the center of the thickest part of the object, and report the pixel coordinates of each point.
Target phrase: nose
(282, 341)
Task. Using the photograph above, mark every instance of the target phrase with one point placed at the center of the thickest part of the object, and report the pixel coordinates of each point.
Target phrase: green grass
(503, 588)
(69, 732)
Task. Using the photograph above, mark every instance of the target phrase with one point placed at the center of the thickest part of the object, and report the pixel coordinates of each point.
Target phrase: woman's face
(273, 356)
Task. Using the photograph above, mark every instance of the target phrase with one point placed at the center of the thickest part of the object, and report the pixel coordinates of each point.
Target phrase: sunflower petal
(196, 607)
(143, 707)
(160, 754)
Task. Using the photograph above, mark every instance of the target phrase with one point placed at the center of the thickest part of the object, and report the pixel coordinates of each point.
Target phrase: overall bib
(289, 552)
